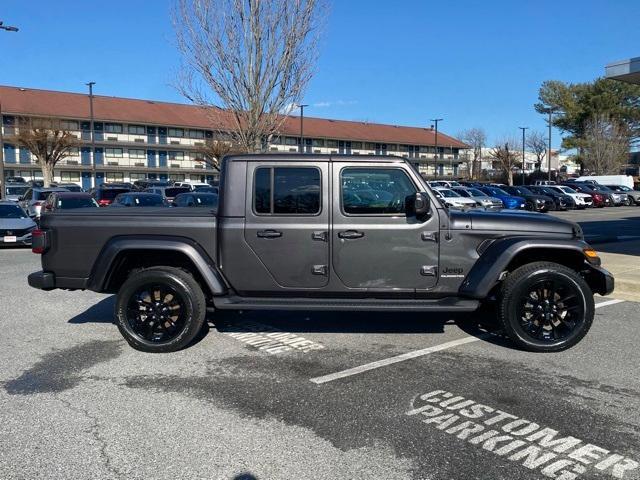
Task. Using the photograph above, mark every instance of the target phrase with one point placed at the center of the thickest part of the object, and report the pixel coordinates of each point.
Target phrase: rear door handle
(269, 234)
(351, 234)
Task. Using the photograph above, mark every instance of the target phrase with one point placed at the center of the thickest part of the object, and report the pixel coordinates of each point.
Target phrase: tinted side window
(287, 191)
(375, 191)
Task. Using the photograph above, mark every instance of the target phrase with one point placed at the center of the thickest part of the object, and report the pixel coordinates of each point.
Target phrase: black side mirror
(417, 204)
(21, 198)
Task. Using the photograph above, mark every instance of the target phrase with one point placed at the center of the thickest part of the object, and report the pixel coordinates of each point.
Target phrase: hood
(522, 222)
(16, 223)
(13, 198)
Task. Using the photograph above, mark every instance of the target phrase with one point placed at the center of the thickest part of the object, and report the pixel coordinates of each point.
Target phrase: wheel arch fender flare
(106, 261)
(495, 259)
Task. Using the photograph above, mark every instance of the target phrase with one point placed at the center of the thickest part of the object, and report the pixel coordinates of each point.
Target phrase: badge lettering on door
(452, 272)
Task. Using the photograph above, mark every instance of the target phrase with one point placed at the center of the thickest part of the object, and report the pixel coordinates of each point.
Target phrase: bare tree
(536, 142)
(476, 138)
(606, 144)
(48, 141)
(251, 58)
(506, 155)
(213, 151)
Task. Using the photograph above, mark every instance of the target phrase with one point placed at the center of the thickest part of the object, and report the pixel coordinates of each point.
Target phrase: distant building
(136, 139)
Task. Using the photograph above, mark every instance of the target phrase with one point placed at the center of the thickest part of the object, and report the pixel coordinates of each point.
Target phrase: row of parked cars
(24, 202)
(542, 197)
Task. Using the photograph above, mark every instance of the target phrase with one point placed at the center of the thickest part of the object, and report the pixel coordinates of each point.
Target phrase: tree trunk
(47, 174)
(509, 177)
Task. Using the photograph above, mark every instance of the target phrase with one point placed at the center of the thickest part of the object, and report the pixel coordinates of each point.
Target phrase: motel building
(137, 139)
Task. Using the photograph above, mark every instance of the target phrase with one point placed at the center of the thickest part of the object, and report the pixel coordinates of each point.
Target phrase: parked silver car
(13, 191)
(633, 195)
(15, 225)
(490, 203)
(34, 198)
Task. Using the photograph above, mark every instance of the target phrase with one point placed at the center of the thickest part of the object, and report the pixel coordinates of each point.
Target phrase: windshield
(172, 192)
(12, 211)
(206, 200)
(73, 188)
(497, 191)
(567, 190)
(45, 195)
(148, 201)
(448, 193)
(111, 193)
(16, 190)
(522, 191)
(75, 202)
(476, 193)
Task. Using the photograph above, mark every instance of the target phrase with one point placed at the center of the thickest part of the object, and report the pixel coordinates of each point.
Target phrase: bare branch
(606, 145)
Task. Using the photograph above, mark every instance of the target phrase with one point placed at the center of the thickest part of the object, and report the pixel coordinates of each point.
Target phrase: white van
(626, 180)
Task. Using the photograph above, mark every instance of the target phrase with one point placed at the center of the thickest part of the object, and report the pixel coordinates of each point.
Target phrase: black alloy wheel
(160, 309)
(545, 307)
(156, 312)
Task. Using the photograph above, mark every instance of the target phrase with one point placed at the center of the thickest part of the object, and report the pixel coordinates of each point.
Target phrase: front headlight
(539, 200)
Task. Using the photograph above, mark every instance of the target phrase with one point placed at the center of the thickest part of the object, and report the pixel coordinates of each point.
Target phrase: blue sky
(473, 63)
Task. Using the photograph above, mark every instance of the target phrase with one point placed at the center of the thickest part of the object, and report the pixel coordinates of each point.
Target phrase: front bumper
(24, 241)
(600, 280)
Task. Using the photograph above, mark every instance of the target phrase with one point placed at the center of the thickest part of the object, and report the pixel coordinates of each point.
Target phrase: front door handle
(269, 234)
(351, 234)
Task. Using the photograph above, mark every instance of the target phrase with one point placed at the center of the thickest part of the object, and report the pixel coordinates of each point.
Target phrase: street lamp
(550, 111)
(435, 164)
(93, 145)
(2, 186)
(523, 141)
(301, 107)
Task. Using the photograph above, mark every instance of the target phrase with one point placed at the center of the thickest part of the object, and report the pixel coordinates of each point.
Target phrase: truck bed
(77, 237)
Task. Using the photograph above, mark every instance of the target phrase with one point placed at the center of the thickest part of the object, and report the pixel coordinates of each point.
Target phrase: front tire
(160, 309)
(545, 307)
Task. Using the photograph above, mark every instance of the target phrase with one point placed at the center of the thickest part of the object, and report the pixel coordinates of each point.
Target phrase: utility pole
(93, 144)
(549, 159)
(435, 165)
(8, 28)
(523, 142)
(301, 106)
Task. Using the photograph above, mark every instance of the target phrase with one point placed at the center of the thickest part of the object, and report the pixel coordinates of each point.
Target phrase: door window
(287, 191)
(375, 191)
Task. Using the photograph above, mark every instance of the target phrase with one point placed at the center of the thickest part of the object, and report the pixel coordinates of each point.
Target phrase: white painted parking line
(398, 358)
(416, 353)
(608, 302)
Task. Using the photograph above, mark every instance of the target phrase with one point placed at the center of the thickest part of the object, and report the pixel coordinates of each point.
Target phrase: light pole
(523, 142)
(435, 164)
(549, 111)
(301, 106)
(8, 28)
(93, 145)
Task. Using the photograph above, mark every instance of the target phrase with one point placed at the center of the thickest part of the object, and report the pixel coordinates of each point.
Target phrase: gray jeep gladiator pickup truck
(318, 232)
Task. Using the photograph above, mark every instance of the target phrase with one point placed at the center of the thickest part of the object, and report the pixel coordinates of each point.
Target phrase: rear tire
(160, 309)
(545, 307)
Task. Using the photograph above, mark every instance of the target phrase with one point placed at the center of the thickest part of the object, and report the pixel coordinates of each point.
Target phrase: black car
(72, 187)
(69, 201)
(148, 183)
(196, 199)
(15, 180)
(533, 202)
(562, 201)
(139, 199)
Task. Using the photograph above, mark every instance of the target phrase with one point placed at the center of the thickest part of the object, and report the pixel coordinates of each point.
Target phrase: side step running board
(446, 304)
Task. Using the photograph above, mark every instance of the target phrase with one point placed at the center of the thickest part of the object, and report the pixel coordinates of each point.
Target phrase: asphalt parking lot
(293, 395)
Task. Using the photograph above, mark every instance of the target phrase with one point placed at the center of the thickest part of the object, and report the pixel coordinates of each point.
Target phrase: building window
(137, 130)
(176, 177)
(179, 156)
(196, 133)
(276, 140)
(69, 177)
(176, 132)
(137, 176)
(369, 146)
(137, 153)
(332, 144)
(356, 145)
(73, 152)
(113, 152)
(113, 127)
(318, 142)
(291, 140)
(287, 191)
(115, 177)
(69, 125)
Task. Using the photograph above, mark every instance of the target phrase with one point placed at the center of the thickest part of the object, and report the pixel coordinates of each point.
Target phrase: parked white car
(192, 185)
(583, 200)
(453, 200)
(490, 203)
